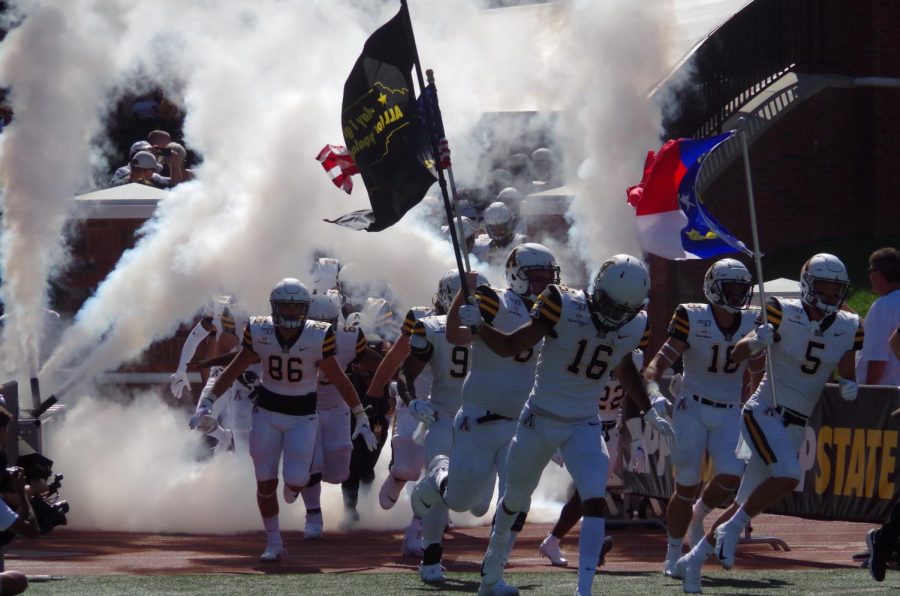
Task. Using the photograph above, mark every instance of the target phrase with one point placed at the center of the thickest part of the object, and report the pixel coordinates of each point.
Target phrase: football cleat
(550, 548)
(273, 553)
(431, 574)
(500, 588)
(673, 569)
(690, 582)
(726, 545)
(390, 492)
(604, 549)
(428, 490)
(314, 526)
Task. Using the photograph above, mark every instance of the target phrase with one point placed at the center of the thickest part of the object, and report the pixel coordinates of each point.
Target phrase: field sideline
(822, 583)
(820, 560)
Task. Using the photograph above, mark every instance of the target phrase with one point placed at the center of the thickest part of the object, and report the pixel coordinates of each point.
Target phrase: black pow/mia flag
(382, 128)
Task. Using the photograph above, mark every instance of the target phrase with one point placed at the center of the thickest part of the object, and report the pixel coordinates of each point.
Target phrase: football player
(501, 233)
(813, 337)
(610, 412)
(449, 365)
(584, 338)
(333, 438)
(292, 350)
(706, 416)
(494, 390)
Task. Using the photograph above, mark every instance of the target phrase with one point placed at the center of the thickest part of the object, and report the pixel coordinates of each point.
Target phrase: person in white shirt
(876, 364)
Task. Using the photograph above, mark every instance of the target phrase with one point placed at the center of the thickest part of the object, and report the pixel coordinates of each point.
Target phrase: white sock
(673, 548)
(590, 542)
(738, 521)
(700, 510)
(700, 553)
(273, 535)
(433, 523)
(312, 496)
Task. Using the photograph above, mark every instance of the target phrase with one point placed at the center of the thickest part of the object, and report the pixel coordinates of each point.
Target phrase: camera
(49, 510)
(163, 151)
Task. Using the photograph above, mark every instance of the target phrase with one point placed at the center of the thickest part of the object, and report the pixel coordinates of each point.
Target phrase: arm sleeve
(247, 342)
(645, 338)
(360, 342)
(419, 346)
(773, 313)
(488, 302)
(329, 344)
(408, 323)
(859, 341)
(548, 308)
(680, 325)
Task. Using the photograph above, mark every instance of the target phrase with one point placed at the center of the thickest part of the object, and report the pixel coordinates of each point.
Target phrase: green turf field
(842, 581)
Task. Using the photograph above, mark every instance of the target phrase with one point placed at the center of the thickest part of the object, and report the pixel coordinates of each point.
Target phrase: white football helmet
(449, 286)
(620, 290)
(510, 196)
(816, 275)
(523, 261)
(290, 302)
(325, 274)
(498, 219)
(729, 285)
(322, 308)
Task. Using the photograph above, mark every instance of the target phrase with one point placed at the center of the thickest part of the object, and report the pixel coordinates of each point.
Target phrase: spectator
(19, 522)
(877, 365)
(123, 174)
(170, 155)
(143, 169)
(6, 115)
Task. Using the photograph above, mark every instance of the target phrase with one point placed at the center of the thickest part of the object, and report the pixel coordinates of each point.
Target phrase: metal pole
(757, 254)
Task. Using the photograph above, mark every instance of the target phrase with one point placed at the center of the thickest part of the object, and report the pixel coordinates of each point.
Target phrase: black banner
(382, 127)
(850, 458)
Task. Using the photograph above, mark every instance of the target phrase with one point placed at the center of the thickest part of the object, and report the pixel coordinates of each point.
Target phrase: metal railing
(756, 47)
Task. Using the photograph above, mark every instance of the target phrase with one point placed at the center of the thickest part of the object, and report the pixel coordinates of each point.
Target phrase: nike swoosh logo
(621, 336)
(593, 424)
(841, 333)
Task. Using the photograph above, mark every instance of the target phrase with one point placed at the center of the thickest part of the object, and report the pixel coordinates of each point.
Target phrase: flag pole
(757, 254)
(442, 182)
(459, 222)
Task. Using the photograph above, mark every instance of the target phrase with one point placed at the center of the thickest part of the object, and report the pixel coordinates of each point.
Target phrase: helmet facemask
(824, 283)
(289, 315)
(610, 314)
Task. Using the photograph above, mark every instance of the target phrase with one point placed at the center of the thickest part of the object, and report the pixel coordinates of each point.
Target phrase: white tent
(129, 201)
(781, 287)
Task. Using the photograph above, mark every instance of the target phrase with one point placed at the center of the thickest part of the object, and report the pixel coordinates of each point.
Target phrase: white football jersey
(577, 357)
(709, 370)
(351, 342)
(613, 393)
(294, 369)
(498, 384)
(449, 364)
(806, 354)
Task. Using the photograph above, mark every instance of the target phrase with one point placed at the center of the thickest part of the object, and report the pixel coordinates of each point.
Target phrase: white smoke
(261, 84)
(58, 79)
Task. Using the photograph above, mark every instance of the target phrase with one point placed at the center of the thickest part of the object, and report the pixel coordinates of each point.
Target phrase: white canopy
(129, 201)
(781, 287)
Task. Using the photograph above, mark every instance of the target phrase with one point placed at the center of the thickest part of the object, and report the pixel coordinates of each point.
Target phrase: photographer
(21, 522)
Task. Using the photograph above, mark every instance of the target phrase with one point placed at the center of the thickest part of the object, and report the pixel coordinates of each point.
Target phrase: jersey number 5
(278, 370)
(596, 367)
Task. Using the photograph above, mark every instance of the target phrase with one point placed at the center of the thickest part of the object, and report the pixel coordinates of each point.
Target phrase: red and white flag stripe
(339, 166)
